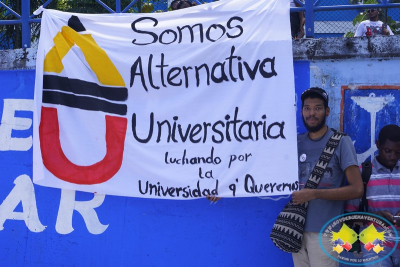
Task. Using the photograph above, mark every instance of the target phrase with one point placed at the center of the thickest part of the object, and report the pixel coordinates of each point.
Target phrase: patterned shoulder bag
(287, 231)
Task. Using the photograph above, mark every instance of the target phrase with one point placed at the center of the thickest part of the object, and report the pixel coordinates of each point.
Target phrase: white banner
(175, 105)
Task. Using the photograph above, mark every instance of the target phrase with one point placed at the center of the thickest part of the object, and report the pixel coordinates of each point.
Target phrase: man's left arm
(354, 189)
(348, 162)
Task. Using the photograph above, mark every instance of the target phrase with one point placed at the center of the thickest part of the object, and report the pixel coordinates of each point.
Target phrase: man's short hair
(391, 132)
(315, 92)
(177, 4)
(174, 4)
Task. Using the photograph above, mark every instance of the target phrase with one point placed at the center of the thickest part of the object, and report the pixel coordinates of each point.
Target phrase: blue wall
(365, 78)
(141, 232)
(146, 232)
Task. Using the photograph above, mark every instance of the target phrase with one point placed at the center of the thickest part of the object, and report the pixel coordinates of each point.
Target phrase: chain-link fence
(11, 35)
(344, 22)
(334, 23)
(20, 28)
(12, 15)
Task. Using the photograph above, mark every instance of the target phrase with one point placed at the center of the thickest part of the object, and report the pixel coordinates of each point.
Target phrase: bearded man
(341, 180)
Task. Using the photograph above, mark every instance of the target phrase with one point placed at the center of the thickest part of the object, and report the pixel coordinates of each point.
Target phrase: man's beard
(313, 129)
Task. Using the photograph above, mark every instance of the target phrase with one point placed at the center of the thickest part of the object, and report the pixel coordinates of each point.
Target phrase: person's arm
(354, 189)
(397, 221)
(360, 30)
(386, 29)
(302, 22)
(385, 214)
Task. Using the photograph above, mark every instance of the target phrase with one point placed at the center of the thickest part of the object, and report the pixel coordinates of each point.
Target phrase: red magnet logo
(75, 93)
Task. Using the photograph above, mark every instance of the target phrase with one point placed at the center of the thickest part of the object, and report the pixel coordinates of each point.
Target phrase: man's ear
(327, 111)
(377, 144)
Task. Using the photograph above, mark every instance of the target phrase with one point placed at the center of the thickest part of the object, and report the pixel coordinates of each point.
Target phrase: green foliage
(394, 26)
(89, 6)
(147, 7)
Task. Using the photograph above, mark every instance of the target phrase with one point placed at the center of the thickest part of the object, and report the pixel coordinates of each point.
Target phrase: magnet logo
(373, 240)
(75, 93)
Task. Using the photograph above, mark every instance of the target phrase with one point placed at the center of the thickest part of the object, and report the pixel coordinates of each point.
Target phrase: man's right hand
(385, 31)
(213, 198)
(302, 196)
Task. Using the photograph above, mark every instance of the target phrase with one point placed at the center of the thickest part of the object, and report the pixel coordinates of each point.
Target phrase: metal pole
(309, 4)
(118, 6)
(26, 28)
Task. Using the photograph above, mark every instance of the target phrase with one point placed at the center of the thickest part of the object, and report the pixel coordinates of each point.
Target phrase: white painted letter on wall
(9, 123)
(85, 208)
(23, 192)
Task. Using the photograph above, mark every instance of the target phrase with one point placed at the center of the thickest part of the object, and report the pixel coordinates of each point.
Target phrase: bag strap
(323, 161)
(365, 174)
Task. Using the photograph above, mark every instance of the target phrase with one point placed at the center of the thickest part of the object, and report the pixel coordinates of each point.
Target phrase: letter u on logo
(75, 93)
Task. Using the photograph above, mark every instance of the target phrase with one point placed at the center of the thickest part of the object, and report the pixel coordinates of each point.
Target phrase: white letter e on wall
(9, 123)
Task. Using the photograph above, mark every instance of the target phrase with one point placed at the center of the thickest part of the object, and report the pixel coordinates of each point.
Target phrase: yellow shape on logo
(338, 249)
(370, 233)
(95, 56)
(346, 234)
(378, 249)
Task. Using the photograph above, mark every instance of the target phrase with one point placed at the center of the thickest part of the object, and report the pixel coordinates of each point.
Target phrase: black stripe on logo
(53, 82)
(83, 102)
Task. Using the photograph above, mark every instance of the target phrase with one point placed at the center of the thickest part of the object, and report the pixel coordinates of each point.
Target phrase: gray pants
(311, 254)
